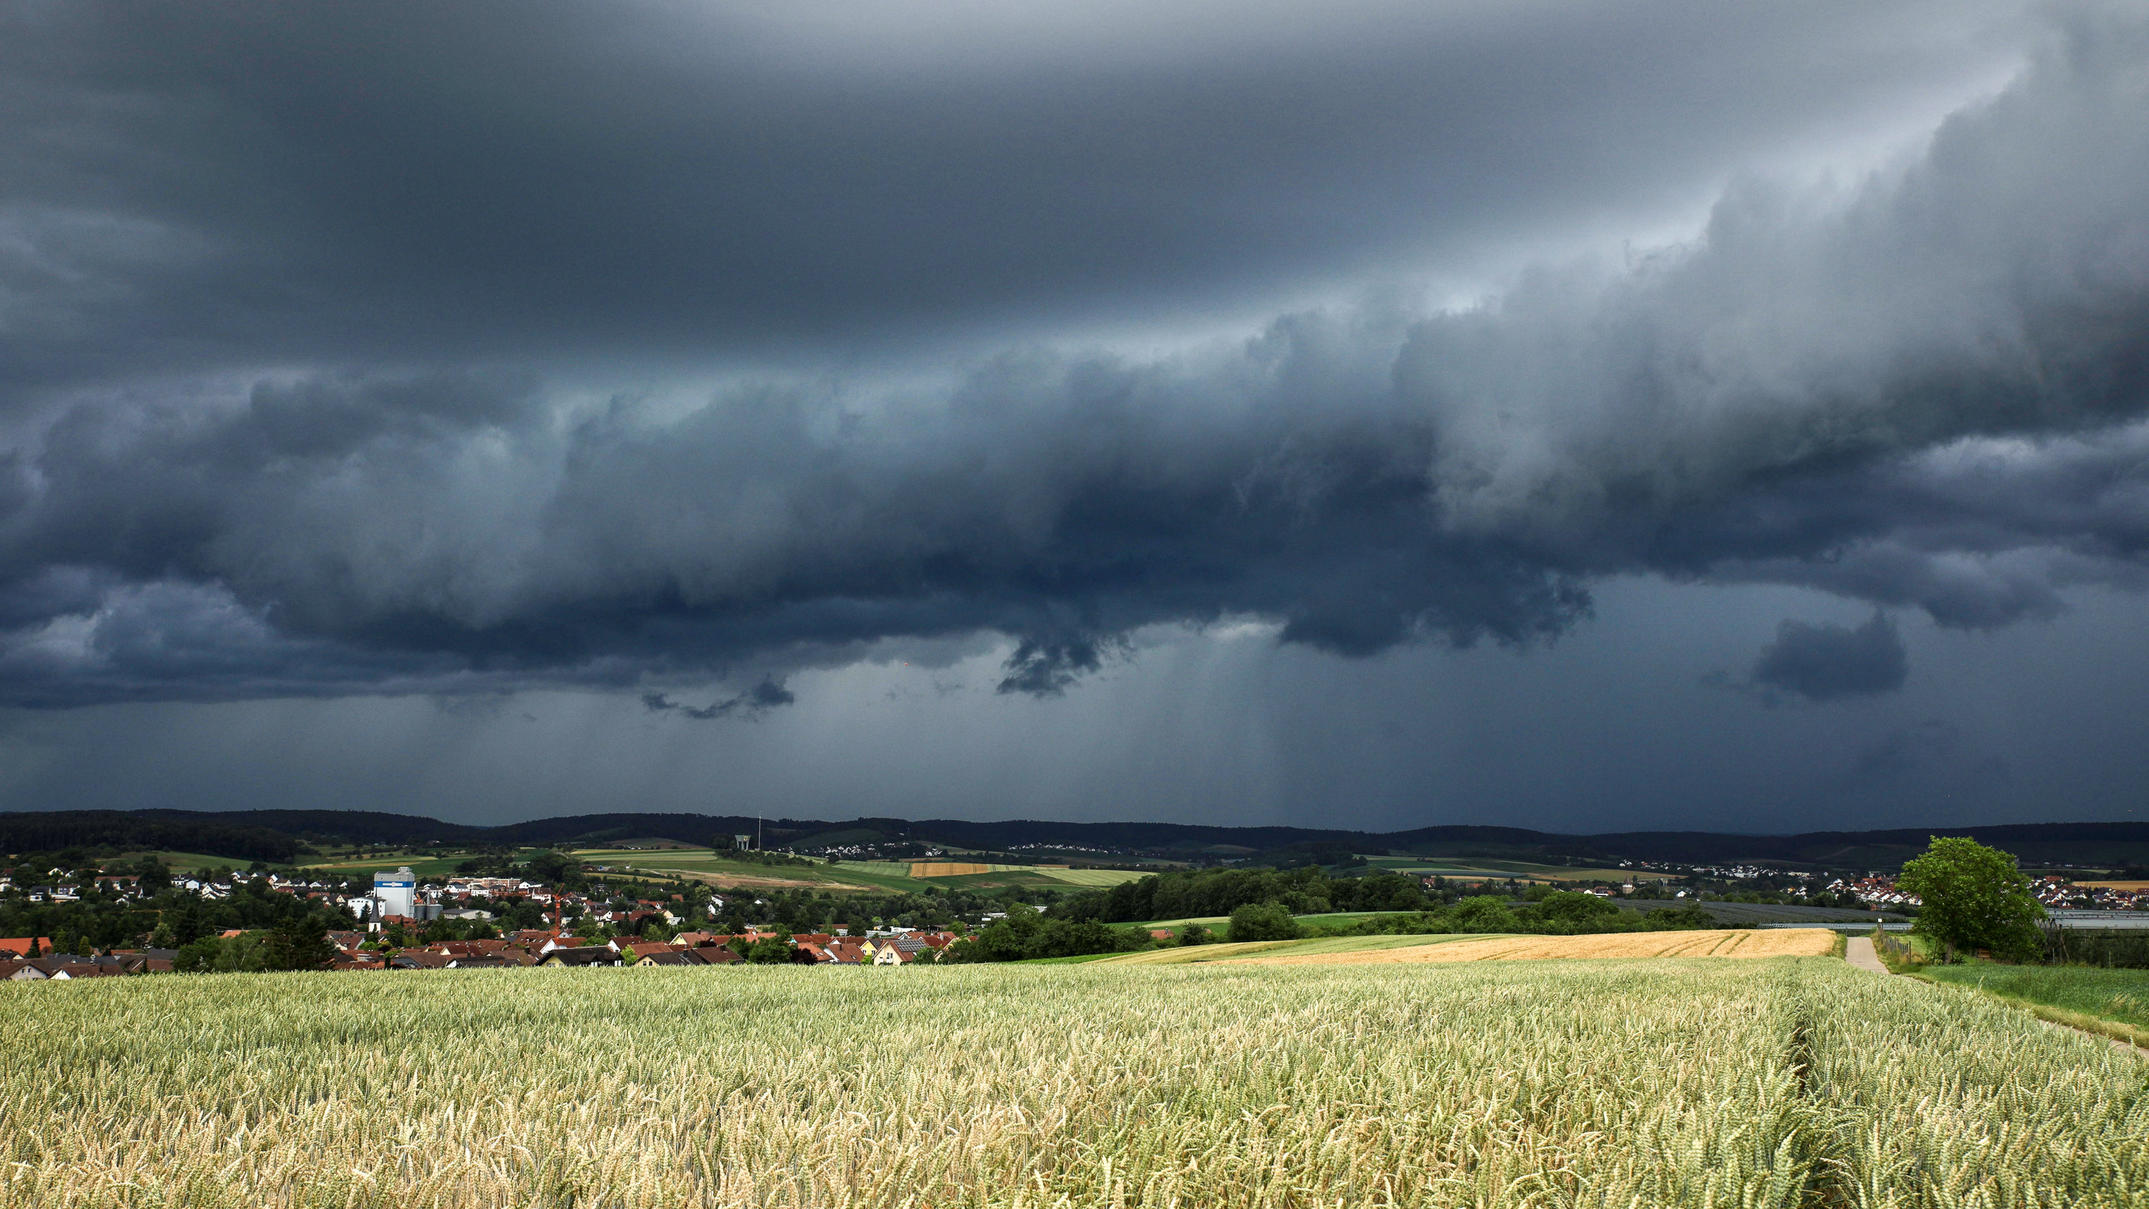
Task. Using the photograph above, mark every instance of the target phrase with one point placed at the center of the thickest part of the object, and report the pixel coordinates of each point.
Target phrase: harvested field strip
(1783, 942)
(952, 868)
(1319, 945)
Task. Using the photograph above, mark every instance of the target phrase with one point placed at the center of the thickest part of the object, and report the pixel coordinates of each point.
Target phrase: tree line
(1196, 892)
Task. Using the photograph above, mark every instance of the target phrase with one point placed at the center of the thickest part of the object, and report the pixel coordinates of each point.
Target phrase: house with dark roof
(68, 967)
(668, 957)
(587, 955)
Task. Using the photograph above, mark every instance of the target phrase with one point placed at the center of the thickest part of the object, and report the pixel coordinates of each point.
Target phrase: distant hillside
(216, 835)
(279, 835)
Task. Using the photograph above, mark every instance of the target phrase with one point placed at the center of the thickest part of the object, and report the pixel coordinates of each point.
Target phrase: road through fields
(1858, 951)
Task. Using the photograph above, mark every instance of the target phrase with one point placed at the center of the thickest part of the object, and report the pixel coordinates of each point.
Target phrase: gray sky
(1654, 414)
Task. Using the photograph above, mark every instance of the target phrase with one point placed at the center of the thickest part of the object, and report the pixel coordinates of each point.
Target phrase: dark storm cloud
(207, 185)
(1063, 501)
(1045, 668)
(1831, 662)
(1924, 389)
(766, 694)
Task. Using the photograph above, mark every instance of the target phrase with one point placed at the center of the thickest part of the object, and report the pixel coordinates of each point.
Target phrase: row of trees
(1026, 934)
(1558, 913)
(1197, 892)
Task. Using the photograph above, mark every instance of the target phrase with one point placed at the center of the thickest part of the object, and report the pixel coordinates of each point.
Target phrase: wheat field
(1536, 1084)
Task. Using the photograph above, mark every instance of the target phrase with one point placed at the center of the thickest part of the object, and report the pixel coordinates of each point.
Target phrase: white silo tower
(394, 893)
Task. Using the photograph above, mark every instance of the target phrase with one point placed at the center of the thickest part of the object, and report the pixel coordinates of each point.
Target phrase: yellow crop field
(1765, 1084)
(1060, 873)
(953, 868)
(1728, 942)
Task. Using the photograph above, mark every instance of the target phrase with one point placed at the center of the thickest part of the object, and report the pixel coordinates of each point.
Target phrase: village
(403, 924)
(2056, 892)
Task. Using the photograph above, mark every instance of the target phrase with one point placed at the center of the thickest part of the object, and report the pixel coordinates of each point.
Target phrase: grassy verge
(1902, 952)
(2114, 1003)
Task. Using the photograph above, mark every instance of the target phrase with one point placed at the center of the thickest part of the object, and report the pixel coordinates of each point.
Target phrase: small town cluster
(1878, 891)
(28, 959)
(2054, 891)
(398, 926)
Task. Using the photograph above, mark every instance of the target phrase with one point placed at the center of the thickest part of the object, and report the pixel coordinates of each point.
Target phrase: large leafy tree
(1263, 921)
(1973, 898)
